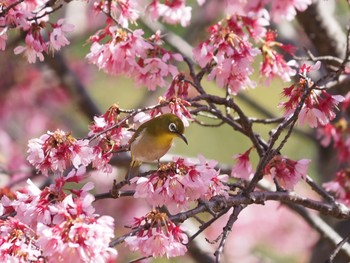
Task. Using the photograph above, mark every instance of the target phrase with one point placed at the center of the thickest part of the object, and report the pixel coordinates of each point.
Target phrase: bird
(153, 139)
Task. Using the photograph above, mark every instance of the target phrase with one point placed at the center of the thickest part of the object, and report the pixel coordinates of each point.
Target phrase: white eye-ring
(172, 127)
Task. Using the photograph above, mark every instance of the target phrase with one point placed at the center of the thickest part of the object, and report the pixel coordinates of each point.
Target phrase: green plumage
(154, 138)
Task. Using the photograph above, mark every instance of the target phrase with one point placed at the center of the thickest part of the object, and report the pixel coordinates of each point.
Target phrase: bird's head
(167, 124)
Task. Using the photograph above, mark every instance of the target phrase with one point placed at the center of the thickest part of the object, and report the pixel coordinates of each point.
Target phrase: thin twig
(337, 249)
(226, 231)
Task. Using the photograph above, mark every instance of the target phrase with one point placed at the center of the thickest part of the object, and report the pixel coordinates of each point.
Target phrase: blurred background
(65, 92)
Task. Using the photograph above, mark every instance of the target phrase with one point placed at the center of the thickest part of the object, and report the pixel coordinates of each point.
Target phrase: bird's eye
(172, 127)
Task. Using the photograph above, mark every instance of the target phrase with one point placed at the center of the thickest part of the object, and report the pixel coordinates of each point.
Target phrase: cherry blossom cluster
(319, 107)
(286, 171)
(156, 235)
(107, 138)
(175, 100)
(172, 12)
(52, 225)
(228, 54)
(280, 10)
(35, 43)
(340, 186)
(337, 134)
(57, 151)
(273, 63)
(118, 51)
(181, 182)
(123, 11)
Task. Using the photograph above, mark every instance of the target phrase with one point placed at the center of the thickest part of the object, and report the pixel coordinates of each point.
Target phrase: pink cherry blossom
(287, 172)
(129, 53)
(163, 237)
(57, 36)
(340, 186)
(34, 48)
(55, 151)
(16, 242)
(287, 9)
(80, 239)
(319, 107)
(181, 182)
(172, 12)
(106, 143)
(233, 55)
(243, 167)
(327, 133)
(153, 72)
(273, 63)
(203, 54)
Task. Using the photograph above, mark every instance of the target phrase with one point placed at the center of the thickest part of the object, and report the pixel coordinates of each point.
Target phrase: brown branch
(323, 29)
(337, 249)
(226, 231)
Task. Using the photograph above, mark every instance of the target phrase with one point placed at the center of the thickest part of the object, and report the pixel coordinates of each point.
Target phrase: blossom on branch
(172, 12)
(16, 242)
(57, 36)
(319, 106)
(181, 182)
(123, 11)
(55, 225)
(34, 47)
(129, 53)
(273, 63)
(287, 9)
(340, 186)
(243, 167)
(287, 172)
(107, 138)
(231, 65)
(157, 236)
(56, 151)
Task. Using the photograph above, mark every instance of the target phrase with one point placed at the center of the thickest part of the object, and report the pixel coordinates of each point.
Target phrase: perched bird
(154, 138)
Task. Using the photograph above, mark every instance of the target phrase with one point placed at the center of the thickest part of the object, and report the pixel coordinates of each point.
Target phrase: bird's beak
(182, 137)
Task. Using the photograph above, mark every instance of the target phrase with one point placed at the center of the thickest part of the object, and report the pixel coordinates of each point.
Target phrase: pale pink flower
(162, 238)
(319, 107)
(120, 55)
(17, 242)
(154, 70)
(81, 154)
(287, 172)
(234, 55)
(287, 9)
(203, 54)
(184, 183)
(273, 63)
(57, 150)
(243, 167)
(57, 36)
(340, 186)
(305, 69)
(84, 239)
(33, 49)
(313, 117)
(327, 133)
(172, 12)
(320, 111)
(125, 11)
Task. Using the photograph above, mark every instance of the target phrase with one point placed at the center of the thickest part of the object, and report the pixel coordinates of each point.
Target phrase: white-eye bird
(154, 138)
